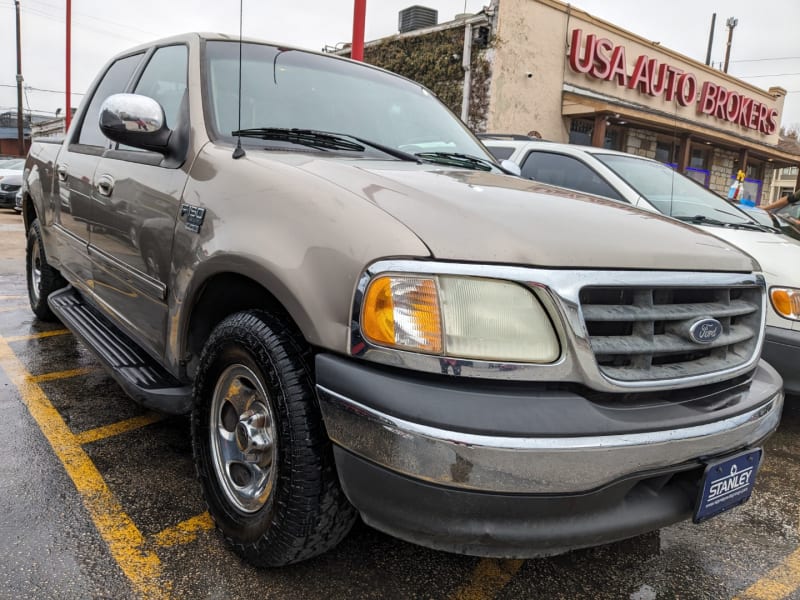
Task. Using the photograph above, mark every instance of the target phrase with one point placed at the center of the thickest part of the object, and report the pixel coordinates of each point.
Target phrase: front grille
(642, 333)
(7, 187)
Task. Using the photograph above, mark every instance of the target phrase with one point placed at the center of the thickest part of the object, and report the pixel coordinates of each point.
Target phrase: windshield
(294, 89)
(672, 193)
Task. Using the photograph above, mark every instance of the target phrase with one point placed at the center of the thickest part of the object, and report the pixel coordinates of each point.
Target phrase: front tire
(263, 457)
(43, 279)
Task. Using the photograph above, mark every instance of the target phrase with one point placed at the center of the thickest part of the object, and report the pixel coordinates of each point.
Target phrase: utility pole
(20, 134)
(731, 24)
(711, 38)
(68, 108)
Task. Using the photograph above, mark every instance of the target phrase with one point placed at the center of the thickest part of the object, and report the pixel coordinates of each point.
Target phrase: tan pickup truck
(365, 314)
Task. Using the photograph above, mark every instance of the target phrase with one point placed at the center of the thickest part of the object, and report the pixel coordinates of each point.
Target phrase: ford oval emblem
(705, 331)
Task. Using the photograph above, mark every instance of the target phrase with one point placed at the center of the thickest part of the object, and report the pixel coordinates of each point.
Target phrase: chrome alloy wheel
(36, 270)
(243, 439)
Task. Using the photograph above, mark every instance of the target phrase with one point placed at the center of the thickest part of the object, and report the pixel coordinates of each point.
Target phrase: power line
(770, 75)
(28, 110)
(51, 17)
(125, 26)
(766, 59)
(36, 89)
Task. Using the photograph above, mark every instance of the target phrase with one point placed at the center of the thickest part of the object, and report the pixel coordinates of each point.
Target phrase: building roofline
(479, 18)
(571, 10)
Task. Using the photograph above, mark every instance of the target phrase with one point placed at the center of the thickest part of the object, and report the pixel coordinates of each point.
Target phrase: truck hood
(477, 216)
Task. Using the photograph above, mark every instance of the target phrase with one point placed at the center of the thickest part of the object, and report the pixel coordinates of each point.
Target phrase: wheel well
(223, 295)
(28, 211)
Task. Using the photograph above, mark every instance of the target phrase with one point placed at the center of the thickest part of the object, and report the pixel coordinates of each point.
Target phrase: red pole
(359, 17)
(68, 109)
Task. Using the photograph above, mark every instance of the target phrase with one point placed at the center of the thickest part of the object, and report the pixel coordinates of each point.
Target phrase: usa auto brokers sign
(601, 59)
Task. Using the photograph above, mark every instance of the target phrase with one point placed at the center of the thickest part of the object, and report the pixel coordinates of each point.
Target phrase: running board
(142, 378)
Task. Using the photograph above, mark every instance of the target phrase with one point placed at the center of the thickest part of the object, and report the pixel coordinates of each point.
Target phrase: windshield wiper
(709, 221)
(461, 160)
(304, 137)
(754, 227)
(327, 140)
(700, 219)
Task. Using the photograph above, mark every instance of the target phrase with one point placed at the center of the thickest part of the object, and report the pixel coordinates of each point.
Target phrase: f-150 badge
(194, 217)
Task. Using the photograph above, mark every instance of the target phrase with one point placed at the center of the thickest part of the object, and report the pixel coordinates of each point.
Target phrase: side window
(500, 152)
(566, 171)
(164, 80)
(114, 82)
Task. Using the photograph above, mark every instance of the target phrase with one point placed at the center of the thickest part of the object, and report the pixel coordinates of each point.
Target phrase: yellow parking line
(13, 307)
(100, 433)
(184, 532)
(61, 374)
(125, 541)
(12, 297)
(488, 579)
(779, 583)
(36, 336)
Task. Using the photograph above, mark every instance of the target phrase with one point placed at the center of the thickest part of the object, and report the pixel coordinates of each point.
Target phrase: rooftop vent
(416, 17)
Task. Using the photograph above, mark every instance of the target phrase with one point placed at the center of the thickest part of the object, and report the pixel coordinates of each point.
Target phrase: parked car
(650, 185)
(9, 186)
(18, 202)
(327, 252)
(11, 167)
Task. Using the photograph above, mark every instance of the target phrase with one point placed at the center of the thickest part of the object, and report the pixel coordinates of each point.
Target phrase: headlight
(786, 302)
(461, 317)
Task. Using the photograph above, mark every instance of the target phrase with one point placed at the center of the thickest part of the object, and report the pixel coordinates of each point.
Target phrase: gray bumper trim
(553, 465)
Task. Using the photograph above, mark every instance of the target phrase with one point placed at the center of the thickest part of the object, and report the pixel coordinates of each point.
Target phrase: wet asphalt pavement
(55, 527)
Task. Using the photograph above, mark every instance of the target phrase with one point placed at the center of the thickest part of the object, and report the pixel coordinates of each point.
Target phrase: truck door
(136, 201)
(75, 169)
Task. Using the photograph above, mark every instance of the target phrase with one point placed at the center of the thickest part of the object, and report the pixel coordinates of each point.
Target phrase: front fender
(302, 238)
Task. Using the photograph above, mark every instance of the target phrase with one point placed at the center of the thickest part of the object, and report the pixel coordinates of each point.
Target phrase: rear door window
(567, 172)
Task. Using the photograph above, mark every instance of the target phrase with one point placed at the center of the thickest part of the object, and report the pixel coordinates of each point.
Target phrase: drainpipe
(466, 63)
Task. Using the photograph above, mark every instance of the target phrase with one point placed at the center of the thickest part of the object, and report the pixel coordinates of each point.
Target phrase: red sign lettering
(641, 76)
(658, 84)
(708, 98)
(581, 64)
(601, 59)
(619, 70)
(687, 89)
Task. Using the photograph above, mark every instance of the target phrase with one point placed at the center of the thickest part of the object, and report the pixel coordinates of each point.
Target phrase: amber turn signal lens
(403, 312)
(786, 302)
(377, 321)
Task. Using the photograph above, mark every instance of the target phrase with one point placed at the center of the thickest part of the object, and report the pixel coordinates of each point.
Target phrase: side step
(142, 378)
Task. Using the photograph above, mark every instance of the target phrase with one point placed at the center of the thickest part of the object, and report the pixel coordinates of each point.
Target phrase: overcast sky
(765, 51)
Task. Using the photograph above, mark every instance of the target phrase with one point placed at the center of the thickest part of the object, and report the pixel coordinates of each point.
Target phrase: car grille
(642, 333)
(7, 187)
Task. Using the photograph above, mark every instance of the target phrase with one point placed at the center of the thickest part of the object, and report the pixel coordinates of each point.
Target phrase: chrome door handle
(62, 172)
(105, 185)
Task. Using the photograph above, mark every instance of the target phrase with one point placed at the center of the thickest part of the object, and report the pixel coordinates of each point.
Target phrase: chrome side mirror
(135, 120)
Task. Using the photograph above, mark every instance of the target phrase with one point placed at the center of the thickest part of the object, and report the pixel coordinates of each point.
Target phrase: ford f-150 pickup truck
(365, 315)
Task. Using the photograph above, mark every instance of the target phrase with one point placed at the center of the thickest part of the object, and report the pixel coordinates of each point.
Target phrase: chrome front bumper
(543, 465)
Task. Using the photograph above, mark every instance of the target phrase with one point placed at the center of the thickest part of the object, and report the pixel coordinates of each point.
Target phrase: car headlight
(786, 302)
(462, 317)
